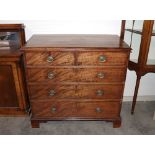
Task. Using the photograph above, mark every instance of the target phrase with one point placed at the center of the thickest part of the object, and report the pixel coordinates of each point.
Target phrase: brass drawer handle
(98, 110)
(99, 92)
(100, 75)
(52, 93)
(50, 59)
(54, 109)
(102, 58)
(50, 75)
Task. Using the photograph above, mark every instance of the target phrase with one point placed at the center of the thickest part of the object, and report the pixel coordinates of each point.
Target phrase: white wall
(147, 86)
(69, 26)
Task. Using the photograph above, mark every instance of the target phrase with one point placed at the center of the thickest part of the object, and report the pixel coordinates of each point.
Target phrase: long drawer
(59, 58)
(60, 109)
(107, 74)
(84, 91)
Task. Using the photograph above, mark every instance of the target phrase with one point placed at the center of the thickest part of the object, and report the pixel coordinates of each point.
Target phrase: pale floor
(141, 123)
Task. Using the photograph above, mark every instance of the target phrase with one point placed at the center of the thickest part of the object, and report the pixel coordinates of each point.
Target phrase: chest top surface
(76, 41)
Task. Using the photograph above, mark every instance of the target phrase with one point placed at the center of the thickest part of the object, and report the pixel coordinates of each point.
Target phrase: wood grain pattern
(76, 91)
(59, 75)
(76, 41)
(83, 58)
(78, 84)
(98, 109)
(76, 75)
(75, 109)
(110, 75)
(40, 58)
(92, 58)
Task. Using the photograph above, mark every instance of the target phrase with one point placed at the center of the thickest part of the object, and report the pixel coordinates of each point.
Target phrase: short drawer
(50, 59)
(83, 91)
(53, 109)
(102, 58)
(107, 74)
(60, 109)
(51, 75)
(103, 75)
(98, 109)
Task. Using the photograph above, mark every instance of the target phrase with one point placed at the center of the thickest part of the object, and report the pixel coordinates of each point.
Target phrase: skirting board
(139, 98)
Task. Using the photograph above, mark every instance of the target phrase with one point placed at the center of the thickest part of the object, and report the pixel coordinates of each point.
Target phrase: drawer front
(98, 109)
(51, 109)
(100, 91)
(76, 75)
(101, 75)
(52, 59)
(52, 91)
(51, 75)
(102, 58)
(60, 109)
(76, 91)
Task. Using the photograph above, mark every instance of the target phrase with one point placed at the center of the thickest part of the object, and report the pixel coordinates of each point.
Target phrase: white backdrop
(147, 86)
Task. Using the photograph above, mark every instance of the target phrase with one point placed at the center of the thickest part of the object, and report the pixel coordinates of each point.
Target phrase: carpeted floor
(141, 123)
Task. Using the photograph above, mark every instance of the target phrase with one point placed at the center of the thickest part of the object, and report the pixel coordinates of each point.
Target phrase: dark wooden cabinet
(13, 101)
(76, 77)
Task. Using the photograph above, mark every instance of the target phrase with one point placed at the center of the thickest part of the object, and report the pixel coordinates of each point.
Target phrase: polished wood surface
(59, 58)
(76, 40)
(61, 110)
(11, 27)
(80, 58)
(10, 53)
(13, 100)
(76, 77)
(7, 87)
(92, 58)
(82, 74)
(84, 91)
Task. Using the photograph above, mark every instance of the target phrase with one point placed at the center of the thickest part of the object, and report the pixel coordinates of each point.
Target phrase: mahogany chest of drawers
(76, 77)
